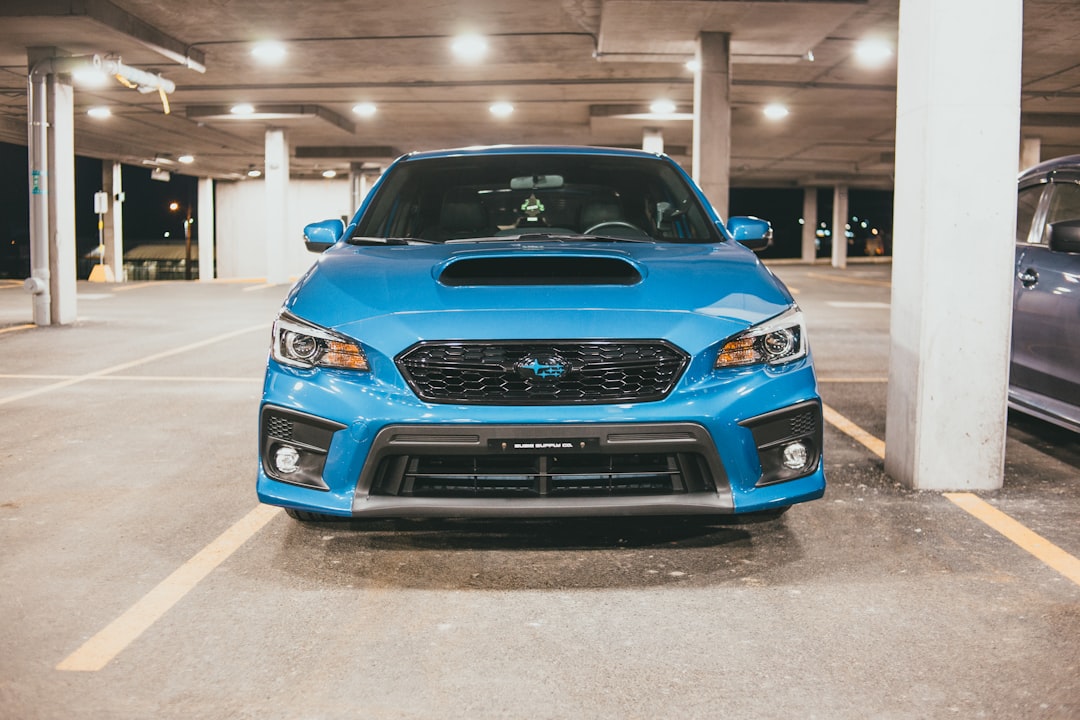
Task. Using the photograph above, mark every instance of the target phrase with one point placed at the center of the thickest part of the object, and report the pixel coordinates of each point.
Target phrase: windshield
(544, 196)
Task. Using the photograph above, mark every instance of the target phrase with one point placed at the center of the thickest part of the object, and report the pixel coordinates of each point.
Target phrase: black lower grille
(500, 476)
(542, 372)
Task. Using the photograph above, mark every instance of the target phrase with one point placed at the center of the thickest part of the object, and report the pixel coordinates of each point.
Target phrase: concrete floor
(128, 449)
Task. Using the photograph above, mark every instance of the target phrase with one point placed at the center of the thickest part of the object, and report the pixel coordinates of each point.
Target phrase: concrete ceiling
(577, 71)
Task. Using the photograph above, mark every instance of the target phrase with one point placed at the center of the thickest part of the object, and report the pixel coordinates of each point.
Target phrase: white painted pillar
(62, 261)
(1030, 152)
(205, 219)
(958, 106)
(809, 226)
(112, 179)
(839, 226)
(277, 186)
(652, 140)
(712, 119)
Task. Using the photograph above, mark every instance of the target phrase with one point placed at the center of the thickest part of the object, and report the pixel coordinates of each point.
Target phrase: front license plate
(544, 445)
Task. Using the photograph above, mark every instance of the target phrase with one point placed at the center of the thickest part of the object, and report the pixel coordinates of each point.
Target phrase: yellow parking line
(1028, 540)
(13, 328)
(96, 652)
(1049, 553)
(847, 427)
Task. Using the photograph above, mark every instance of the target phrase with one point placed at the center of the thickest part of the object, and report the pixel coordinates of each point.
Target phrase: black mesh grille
(279, 427)
(542, 372)
(536, 476)
(803, 424)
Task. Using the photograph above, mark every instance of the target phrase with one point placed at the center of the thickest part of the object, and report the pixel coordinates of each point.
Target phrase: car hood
(404, 293)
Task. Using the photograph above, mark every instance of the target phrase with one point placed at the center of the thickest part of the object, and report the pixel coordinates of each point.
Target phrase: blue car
(1044, 374)
(538, 332)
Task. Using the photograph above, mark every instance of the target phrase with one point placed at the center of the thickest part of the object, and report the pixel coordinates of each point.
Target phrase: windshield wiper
(390, 241)
(563, 237)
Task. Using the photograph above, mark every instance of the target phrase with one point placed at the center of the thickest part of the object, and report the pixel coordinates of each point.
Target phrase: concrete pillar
(958, 106)
(357, 184)
(712, 119)
(277, 186)
(62, 261)
(1030, 152)
(652, 140)
(112, 185)
(839, 226)
(809, 227)
(205, 226)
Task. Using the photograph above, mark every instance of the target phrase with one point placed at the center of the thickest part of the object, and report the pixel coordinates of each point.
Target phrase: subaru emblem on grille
(542, 367)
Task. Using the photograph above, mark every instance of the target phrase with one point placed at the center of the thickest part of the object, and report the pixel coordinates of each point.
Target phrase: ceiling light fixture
(186, 159)
(365, 109)
(663, 106)
(269, 51)
(501, 109)
(693, 66)
(873, 52)
(254, 173)
(470, 47)
(242, 109)
(100, 112)
(775, 111)
(329, 174)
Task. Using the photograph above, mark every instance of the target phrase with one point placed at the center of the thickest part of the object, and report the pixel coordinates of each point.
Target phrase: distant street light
(188, 220)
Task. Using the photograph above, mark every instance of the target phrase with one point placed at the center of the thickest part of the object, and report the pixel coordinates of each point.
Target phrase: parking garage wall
(241, 213)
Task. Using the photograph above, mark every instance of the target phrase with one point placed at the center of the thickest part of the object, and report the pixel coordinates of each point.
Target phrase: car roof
(1065, 168)
(530, 150)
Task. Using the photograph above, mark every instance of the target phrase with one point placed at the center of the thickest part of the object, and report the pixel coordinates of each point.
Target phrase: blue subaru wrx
(538, 332)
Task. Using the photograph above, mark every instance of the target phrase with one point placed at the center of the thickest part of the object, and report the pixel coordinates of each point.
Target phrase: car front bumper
(368, 449)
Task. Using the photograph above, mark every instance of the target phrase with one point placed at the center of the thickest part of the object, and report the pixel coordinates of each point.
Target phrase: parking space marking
(849, 428)
(138, 378)
(13, 328)
(853, 380)
(128, 365)
(99, 650)
(849, 280)
(264, 286)
(1030, 541)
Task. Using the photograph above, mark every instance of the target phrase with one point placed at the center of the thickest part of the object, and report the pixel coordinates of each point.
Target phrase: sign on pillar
(101, 271)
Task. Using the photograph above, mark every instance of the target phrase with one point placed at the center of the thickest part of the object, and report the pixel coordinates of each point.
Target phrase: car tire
(305, 516)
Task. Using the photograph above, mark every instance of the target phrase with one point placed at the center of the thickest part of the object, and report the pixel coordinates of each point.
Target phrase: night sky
(147, 216)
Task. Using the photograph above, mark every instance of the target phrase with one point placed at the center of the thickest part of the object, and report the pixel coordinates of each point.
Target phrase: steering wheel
(616, 223)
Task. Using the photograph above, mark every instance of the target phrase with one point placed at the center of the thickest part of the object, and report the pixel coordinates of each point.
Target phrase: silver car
(1044, 377)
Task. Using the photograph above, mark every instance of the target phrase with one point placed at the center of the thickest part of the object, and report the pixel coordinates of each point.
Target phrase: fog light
(287, 460)
(795, 455)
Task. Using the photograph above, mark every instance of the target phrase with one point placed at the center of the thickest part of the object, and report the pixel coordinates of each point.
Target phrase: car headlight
(301, 344)
(773, 342)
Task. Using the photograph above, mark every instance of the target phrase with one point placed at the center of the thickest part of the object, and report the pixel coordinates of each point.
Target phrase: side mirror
(752, 232)
(321, 236)
(1065, 236)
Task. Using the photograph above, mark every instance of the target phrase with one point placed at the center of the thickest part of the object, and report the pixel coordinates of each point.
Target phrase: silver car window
(1027, 204)
(1064, 205)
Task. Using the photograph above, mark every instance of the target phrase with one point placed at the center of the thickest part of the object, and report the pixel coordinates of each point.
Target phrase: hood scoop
(539, 270)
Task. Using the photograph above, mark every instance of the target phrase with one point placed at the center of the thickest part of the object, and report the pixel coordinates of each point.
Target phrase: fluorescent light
(693, 66)
(242, 109)
(501, 109)
(100, 112)
(329, 173)
(186, 159)
(873, 52)
(254, 173)
(269, 51)
(775, 111)
(663, 106)
(470, 47)
(365, 109)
